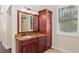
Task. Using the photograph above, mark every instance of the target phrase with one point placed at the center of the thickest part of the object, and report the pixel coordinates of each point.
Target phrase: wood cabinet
(45, 25)
(35, 23)
(31, 47)
(42, 24)
(42, 44)
(35, 45)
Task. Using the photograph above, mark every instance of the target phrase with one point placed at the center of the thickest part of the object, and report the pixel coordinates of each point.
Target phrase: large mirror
(27, 22)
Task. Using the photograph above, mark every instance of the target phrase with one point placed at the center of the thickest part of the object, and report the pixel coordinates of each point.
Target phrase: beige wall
(70, 43)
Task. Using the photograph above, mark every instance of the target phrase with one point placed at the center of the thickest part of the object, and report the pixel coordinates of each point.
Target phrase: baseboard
(62, 50)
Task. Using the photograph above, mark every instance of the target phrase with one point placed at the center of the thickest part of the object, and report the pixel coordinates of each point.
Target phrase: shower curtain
(5, 25)
(0, 29)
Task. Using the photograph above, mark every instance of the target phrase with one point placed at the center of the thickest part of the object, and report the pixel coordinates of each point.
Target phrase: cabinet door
(45, 25)
(35, 47)
(42, 21)
(35, 23)
(31, 47)
(42, 44)
(27, 48)
(49, 30)
(18, 46)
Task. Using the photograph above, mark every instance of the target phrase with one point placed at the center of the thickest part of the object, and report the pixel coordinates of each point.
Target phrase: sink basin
(27, 37)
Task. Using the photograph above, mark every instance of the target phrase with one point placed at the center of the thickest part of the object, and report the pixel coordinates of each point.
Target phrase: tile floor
(51, 50)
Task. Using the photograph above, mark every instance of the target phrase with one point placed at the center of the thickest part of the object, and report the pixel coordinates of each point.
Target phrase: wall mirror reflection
(27, 22)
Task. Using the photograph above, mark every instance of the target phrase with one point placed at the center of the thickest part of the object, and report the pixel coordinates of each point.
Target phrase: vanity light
(28, 10)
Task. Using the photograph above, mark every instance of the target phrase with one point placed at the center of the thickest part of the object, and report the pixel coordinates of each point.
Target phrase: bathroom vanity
(34, 32)
(32, 42)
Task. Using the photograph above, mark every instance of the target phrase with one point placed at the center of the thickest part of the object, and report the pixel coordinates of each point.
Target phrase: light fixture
(28, 10)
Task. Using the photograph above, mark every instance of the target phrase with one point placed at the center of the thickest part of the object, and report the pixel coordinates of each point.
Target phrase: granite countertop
(29, 36)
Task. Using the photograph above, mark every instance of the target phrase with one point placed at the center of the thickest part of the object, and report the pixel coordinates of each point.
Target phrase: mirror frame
(19, 11)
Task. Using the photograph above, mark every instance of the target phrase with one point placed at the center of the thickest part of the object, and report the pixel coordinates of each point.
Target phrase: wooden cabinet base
(36, 45)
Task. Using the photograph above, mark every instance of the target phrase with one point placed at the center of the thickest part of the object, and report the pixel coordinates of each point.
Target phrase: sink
(27, 37)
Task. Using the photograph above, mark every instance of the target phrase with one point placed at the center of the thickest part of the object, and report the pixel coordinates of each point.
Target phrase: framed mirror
(26, 22)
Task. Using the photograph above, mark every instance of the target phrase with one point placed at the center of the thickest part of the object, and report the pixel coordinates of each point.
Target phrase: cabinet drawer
(29, 41)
